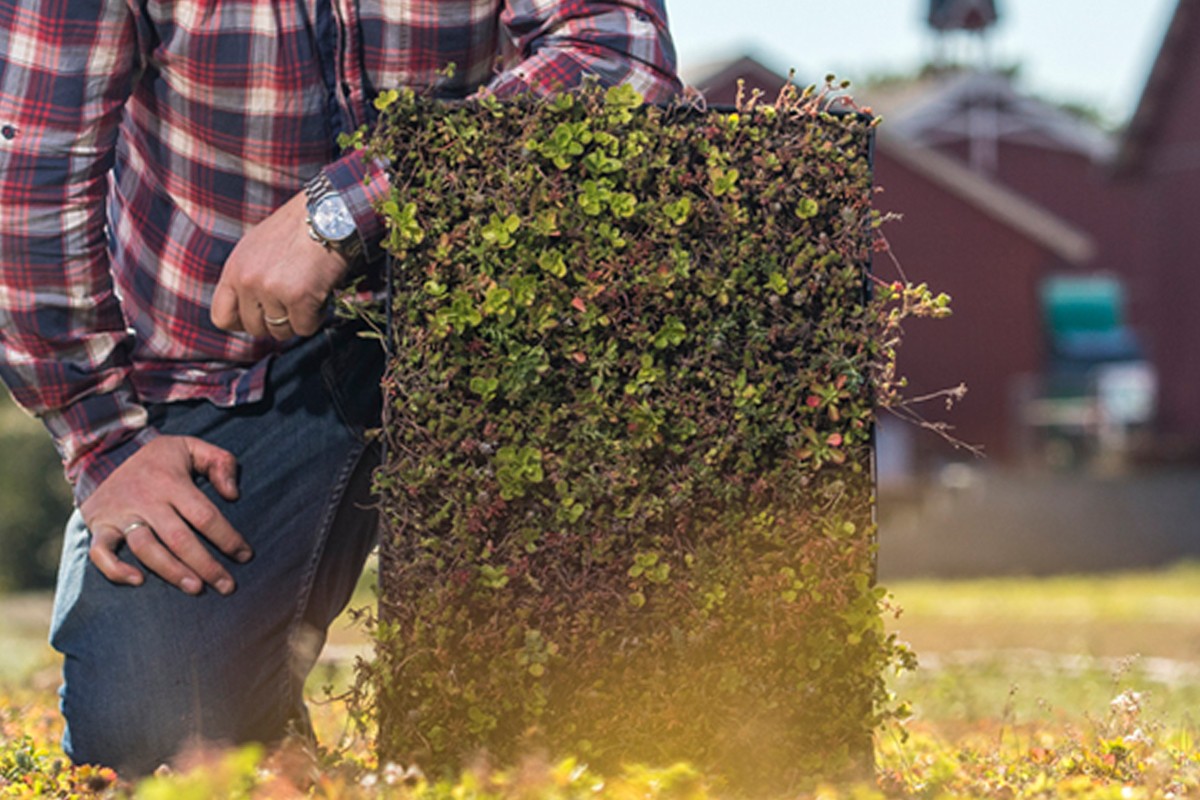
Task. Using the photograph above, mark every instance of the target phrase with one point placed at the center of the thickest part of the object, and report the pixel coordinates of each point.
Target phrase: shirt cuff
(509, 84)
(91, 470)
(363, 183)
(96, 433)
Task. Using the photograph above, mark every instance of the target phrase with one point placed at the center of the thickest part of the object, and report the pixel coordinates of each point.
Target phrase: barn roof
(723, 74)
(1181, 36)
(1015, 211)
(951, 107)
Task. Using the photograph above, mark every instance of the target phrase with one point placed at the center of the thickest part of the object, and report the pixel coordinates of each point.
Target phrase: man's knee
(147, 669)
(135, 720)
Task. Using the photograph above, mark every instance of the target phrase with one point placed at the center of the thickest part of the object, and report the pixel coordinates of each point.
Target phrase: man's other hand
(152, 505)
(277, 279)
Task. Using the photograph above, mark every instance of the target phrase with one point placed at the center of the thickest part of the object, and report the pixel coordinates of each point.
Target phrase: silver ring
(133, 526)
(276, 320)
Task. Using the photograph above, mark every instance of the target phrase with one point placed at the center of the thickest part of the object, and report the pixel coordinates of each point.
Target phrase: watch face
(331, 219)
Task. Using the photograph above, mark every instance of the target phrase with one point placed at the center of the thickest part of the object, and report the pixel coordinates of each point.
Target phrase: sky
(1095, 52)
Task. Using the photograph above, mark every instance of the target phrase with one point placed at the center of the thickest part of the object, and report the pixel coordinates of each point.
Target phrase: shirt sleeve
(66, 68)
(559, 42)
(555, 45)
(362, 182)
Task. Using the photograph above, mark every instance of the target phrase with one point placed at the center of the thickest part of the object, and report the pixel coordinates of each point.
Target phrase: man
(175, 216)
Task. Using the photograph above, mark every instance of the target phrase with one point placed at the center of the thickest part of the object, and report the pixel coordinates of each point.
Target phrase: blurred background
(1044, 159)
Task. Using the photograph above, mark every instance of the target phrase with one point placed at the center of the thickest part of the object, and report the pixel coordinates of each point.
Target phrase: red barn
(1159, 165)
(1076, 400)
(990, 249)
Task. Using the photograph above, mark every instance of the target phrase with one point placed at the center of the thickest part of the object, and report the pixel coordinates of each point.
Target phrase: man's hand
(277, 279)
(152, 505)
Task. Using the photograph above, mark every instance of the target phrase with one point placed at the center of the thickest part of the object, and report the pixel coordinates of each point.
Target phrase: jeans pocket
(352, 371)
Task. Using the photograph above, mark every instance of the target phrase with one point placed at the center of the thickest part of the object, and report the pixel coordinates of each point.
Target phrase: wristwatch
(330, 222)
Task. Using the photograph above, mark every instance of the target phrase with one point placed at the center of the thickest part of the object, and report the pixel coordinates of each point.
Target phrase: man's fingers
(308, 310)
(103, 552)
(216, 464)
(275, 271)
(307, 316)
(202, 515)
(167, 546)
(252, 317)
(152, 505)
(277, 320)
(144, 543)
(224, 311)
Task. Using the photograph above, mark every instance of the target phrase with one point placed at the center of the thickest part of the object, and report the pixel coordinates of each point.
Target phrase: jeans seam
(310, 571)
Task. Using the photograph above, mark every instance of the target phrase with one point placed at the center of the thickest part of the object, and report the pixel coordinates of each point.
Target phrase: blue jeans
(148, 669)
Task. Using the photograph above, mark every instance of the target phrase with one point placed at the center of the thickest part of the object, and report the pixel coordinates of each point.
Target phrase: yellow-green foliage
(1120, 751)
(31, 764)
(628, 423)
(1123, 753)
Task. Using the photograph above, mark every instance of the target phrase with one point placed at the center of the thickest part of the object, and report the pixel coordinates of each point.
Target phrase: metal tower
(962, 15)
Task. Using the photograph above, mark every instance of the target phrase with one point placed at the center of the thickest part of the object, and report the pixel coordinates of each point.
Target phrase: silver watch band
(316, 190)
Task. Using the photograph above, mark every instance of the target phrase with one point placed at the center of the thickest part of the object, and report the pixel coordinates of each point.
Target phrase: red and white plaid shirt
(140, 139)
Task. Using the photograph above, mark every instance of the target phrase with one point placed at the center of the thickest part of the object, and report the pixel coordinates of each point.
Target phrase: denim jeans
(148, 669)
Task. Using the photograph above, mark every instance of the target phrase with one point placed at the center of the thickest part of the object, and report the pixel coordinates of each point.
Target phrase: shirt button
(8, 132)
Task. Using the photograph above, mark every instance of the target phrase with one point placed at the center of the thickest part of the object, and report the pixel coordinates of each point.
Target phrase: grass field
(1052, 647)
(1067, 687)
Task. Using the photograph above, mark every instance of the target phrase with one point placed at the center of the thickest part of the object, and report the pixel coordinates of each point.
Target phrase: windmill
(962, 15)
(974, 17)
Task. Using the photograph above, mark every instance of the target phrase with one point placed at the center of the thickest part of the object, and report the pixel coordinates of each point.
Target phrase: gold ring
(276, 320)
(134, 526)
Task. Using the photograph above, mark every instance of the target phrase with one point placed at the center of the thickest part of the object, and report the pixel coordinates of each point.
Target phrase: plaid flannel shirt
(139, 139)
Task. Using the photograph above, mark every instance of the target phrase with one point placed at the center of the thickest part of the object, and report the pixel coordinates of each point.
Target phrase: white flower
(1138, 737)
(392, 773)
(1127, 702)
